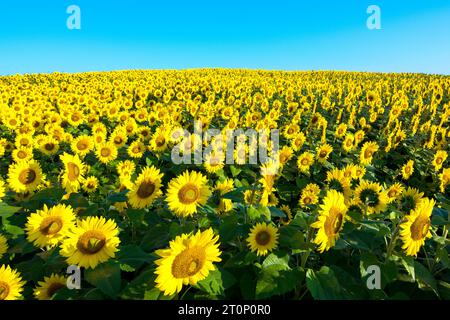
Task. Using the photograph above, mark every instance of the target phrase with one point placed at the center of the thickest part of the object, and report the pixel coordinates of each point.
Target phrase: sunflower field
(354, 205)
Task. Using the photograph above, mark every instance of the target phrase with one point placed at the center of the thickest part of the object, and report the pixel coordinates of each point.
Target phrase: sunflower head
(92, 241)
(304, 161)
(187, 192)
(49, 286)
(24, 176)
(416, 229)
(146, 188)
(188, 259)
(47, 227)
(263, 238)
(371, 197)
(11, 284)
(331, 218)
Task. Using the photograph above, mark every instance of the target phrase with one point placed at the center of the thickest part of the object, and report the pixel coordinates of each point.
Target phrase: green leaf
(217, 282)
(235, 171)
(277, 278)
(152, 294)
(133, 256)
(408, 263)
(13, 230)
(138, 287)
(236, 195)
(76, 200)
(424, 277)
(7, 211)
(275, 212)
(323, 284)
(106, 277)
(117, 197)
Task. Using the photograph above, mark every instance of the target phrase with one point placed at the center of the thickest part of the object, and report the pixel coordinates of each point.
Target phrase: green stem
(184, 293)
(392, 242)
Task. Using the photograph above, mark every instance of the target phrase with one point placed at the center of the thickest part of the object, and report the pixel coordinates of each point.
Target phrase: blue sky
(282, 34)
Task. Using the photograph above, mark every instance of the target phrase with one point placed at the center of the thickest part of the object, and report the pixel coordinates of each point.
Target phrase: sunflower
(90, 184)
(347, 144)
(47, 288)
(214, 161)
(224, 187)
(262, 238)
(312, 188)
(358, 172)
(287, 211)
(416, 228)
(284, 155)
(119, 137)
(305, 160)
(73, 173)
(159, 140)
(323, 152)
(395, 192)
(22, 154)
(24, 140)
(126, 168)
(411, 198)
(341, 129)
(186, 192)
(24, 176)
(82, 145)
(359, 137)
(47, 227)
(408, 169)
(11, 284)
(444, 178)
(106, 152)
(2, 190)
(338, 181)
(439, 159)
(146, 188)
(3, 245)
(136, 149)
(308, 198)
(188, 260)
(94, 240)
(297, 141)
(330, 221)
(49, 145)
(371, 196)
(367, 151)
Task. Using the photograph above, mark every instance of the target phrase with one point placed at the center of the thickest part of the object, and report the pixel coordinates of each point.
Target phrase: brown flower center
(146, 189)
(334, 222)
(105, 152)
(82, 145)
(22, 154)
(262, 238)
(51, 225)
(188, 262)
(4, 290)
(49, 146)
(188, 194)
(53, 288)
(419, 228)
(27, 176)
(91, 242)
(73, 171)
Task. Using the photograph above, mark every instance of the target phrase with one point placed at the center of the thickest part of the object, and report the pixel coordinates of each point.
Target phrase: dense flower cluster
(87, 179)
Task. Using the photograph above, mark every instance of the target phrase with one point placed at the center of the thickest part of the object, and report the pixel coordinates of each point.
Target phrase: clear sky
(169, 34)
